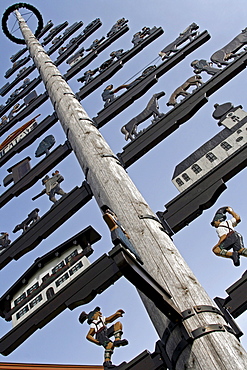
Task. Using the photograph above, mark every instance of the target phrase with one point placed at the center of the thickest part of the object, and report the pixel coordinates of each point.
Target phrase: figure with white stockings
(100, 334)
(228, 237)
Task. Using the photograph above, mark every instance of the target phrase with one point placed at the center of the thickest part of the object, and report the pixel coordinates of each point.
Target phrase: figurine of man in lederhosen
(228, 237)
(100, 334)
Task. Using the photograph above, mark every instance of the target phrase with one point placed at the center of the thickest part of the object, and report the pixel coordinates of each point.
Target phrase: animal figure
(28, 222)
(90, 25)
(182, 90)
(139, 36)
(95, 44)
(152, 109)
(188, 34)
(4, 241)
(221, 56)
(117, 26)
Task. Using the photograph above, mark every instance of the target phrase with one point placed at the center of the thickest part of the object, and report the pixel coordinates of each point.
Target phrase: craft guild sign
(17, 136)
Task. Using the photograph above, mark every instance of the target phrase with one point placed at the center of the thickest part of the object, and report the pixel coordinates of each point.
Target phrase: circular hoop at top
(10, 10)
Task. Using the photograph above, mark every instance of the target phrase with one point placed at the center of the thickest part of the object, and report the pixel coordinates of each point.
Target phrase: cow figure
(152, 109)
(221, 56)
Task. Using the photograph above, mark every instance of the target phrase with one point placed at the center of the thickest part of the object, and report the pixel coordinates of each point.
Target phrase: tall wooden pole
(112, 186)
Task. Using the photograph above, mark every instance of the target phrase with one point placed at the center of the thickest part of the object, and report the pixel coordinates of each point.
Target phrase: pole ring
(10, 10)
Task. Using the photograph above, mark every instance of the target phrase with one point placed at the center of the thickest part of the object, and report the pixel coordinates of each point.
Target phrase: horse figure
(221, 56)
(152, 109)
(182, 90)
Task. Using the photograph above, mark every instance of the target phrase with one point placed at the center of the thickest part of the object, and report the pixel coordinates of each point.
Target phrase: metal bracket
(59, 75)
(47, 61)
(195, 334)
(198, 309)
(178, 350)
(87, 119)
(228, 317)
(112, 156)
(171, 327)
(151, 217)
(185, 341)
(189, 337)
(68, 93)
(166, 227)
(207, 329)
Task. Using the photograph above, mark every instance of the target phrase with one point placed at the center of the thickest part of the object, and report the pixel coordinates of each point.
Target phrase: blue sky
(63, 340)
